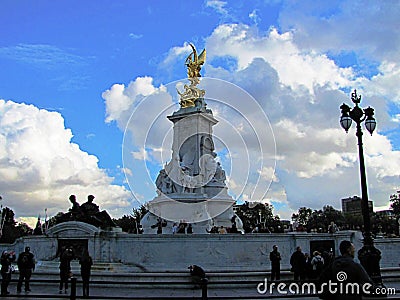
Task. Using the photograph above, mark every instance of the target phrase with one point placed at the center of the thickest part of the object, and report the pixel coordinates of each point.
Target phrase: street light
(368, 255)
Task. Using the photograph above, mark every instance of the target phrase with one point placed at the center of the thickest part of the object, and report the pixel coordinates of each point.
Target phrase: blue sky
(62, 61)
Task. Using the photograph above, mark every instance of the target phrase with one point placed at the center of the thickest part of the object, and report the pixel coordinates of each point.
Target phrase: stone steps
(129, 276)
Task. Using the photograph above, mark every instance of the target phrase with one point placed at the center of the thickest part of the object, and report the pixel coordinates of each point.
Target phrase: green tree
(260, 214)
(383, 224)
(318, 220)
(303, 216)
(131, 223)
(353, 222)
(10, 230)
(395, 203)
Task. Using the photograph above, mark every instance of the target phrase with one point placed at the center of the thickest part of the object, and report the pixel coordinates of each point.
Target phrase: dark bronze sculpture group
(88, 212)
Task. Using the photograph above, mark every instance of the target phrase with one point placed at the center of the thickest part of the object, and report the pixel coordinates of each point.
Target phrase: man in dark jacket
(86, 263)
(198, 275)
(298, 262)
(275, 258)
(345, 272)
(65, 268)
(26, 264)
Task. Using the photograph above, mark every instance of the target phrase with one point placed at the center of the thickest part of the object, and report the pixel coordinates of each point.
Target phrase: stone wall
(175, 252)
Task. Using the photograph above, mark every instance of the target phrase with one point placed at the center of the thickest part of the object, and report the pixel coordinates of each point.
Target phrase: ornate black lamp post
(368, 255)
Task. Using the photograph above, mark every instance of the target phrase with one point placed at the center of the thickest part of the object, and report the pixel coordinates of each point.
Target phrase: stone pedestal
(202, 212)
(191, 188)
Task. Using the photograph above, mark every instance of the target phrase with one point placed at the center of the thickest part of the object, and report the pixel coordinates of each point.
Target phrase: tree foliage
(131, 223)
(11, 230)
(258, 215)
(395, 203)
(318, 220)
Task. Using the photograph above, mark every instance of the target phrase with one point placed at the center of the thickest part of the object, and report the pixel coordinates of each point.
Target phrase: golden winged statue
(191, 93)
(194, 62)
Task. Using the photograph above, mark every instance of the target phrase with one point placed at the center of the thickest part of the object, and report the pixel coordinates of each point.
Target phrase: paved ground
(50, 291)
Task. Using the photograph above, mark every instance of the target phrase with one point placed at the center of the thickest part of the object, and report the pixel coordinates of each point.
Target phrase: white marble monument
(191, 188)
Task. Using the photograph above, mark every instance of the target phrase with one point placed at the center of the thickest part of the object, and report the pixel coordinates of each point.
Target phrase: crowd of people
(322, 268)
(26, 266)
(303, 265)
(86, 262)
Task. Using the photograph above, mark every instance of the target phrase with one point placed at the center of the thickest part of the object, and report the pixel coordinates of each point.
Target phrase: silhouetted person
(86, 263)
(332, 228)
(233, 229)
(181, 228)
(6, 259)
(65, 268)
(344, 270)
(298, 262)
(26, 264)
(275, 258)
(189, 229)
(38, 228)
(198, 274)
(308, 272)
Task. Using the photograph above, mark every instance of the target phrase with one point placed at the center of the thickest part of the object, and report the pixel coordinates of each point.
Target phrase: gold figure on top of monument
(194, 62)
(191, 92)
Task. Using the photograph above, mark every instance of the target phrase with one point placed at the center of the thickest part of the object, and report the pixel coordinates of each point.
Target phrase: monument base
(201, 212)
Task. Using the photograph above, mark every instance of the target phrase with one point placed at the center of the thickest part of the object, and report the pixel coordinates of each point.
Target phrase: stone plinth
(218, 252)
(198, 210)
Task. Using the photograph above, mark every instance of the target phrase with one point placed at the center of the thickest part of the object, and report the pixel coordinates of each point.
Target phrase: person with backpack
(317, 264)
(7, 257)
(26, 264)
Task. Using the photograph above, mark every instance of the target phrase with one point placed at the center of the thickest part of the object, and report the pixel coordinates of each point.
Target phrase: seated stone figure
(75, 212)
(94, 216)
(89, 208)
(88, 212)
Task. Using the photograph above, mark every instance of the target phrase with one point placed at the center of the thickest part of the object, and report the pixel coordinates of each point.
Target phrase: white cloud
(294, 67)
(135, 36)
(254, 16)
(120, 99)
(370, 29)
(141, 154)
(218, 5)
(385, 83)
(302, 102)
(40, 166)
(300, 90)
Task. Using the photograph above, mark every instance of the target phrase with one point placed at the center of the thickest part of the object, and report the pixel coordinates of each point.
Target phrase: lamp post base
(369, 257)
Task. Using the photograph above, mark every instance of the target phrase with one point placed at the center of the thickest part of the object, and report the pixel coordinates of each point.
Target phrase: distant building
(352, 205)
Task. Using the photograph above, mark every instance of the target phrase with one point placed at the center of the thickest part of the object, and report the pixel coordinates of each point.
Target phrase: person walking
(26, 264)
(298, 261)
(65, 268)
(86, 263)
(7, 257)
(275, 258)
